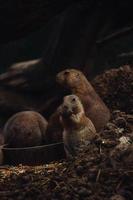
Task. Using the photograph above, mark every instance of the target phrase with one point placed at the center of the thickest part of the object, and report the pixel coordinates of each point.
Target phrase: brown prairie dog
(54, 129)
(78, 128)
(25, 129)
(77, 83)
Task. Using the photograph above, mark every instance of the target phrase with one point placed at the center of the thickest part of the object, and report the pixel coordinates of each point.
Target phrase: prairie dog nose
(67, 111)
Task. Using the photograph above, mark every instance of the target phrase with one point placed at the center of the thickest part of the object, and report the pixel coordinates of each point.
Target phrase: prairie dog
(25, 129)
(77, 83)
(78, 129)
(54, 129)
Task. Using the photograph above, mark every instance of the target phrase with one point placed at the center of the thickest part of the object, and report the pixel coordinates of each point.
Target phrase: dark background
(65, 32)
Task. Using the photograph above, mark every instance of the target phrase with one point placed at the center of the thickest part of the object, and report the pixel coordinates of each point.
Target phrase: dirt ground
(103, 170)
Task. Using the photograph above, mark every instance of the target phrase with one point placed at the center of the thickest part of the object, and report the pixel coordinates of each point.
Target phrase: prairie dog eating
(78, 129)
(75, 81)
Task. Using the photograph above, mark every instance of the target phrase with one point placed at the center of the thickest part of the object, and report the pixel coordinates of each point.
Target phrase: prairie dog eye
(73, 99)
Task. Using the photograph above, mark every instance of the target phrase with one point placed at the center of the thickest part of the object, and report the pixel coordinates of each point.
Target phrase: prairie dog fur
(75, 81)
(25, 129)
(78, 128)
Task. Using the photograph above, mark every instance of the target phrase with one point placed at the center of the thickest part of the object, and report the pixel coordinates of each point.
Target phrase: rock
(130, 118)
(108, 143)
(83, 192)
(79, 170)
(125, 140)
(122, 154)
(110, 126)
(116, 113)
(115, 88)
(120, 121)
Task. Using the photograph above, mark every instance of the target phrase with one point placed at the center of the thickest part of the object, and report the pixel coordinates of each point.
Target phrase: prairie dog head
(70, 78)
(72, 106)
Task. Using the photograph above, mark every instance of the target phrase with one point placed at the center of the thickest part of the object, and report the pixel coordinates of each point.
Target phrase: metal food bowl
(34, 155)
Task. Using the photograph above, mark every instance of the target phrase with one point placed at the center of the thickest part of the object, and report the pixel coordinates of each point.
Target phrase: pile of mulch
(115, 87)
(103, 170)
